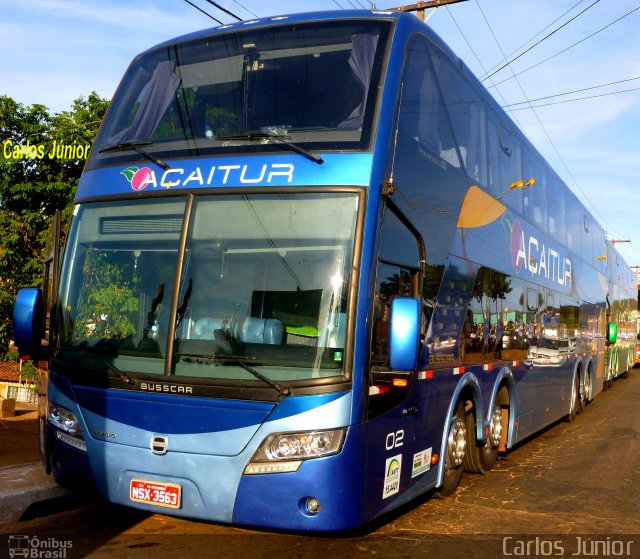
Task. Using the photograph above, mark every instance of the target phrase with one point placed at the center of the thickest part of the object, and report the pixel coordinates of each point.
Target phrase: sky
(54, 51)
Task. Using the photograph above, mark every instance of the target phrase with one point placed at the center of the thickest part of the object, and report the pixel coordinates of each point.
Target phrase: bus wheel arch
(630, 362)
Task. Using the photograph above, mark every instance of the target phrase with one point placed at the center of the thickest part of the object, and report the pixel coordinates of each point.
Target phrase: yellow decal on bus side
(479, 209)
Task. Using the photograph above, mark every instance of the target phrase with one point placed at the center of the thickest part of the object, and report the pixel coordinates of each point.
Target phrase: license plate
(155, 493)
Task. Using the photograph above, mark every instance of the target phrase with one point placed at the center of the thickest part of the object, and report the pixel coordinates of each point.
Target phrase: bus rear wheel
(455, 453)
(585, 395)
(574, 409)
(480, 458)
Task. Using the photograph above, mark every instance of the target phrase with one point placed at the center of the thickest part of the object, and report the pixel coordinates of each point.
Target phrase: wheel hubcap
(495, 427)
(587, 387)
(574, 396)
(456, 442)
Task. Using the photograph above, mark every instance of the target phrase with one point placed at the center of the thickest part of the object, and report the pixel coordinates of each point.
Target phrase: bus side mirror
(28, 320)
(404, 333)
(612, 333)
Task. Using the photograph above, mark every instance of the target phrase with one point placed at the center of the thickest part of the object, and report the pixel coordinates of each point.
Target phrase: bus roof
(306, 17)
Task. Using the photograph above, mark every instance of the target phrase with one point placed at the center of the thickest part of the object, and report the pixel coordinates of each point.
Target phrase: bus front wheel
(455, 452)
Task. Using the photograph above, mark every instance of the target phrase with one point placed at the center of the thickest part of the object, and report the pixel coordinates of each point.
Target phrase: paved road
(572, 491)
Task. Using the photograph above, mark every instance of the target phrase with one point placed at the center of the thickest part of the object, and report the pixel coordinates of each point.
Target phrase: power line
(577, 91)
(222, 9)
(201, 10)
(507, 62)
(532, 38)
(245, 8)
(572, 100)
(476, 55)
(569, 47)
(546, 133)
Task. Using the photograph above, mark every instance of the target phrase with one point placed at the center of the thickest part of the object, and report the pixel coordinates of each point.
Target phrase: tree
(34, 185)
(109, 304)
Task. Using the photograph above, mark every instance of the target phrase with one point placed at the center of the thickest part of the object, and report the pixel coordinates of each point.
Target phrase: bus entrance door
(390, 441)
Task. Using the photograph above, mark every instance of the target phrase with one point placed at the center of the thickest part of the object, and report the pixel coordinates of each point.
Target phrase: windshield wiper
(137, 147)
(91, 349)
(278, 139)
(240, 360)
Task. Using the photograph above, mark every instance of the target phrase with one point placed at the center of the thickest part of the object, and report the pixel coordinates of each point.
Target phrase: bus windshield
(263, 280)
(251, 90)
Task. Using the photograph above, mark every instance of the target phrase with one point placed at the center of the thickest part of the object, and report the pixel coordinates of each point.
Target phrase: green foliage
(109, 307)
(33, 186)
(222, 121)
(11, 356)
(29, 372)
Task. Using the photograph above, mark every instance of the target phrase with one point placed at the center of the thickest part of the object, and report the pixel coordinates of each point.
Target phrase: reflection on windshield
(263, 286)
(206, 94)
(269, 278)
(118, 278)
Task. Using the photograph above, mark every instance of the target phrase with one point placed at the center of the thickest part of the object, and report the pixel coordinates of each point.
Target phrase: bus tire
(455, 451)
(574, 408)
(480, 458)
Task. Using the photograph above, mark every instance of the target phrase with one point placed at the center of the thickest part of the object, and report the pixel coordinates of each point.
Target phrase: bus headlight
(63, 419)
(67, 426)
(284, 452)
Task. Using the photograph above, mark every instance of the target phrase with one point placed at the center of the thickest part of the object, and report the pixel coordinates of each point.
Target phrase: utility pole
(420, 7)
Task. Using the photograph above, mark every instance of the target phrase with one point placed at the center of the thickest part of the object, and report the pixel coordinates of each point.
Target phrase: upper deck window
(312, 84)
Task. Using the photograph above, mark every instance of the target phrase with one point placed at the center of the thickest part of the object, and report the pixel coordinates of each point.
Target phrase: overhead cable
(569, 47)
(475, 55)
(576, 91)
(201, 10)
(531, 38)
(222, 9)
(507, 62)
(535, 114)
(572, 100)
(245, 8)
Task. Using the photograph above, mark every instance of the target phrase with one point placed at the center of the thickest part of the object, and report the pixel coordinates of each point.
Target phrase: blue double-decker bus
(314, 271)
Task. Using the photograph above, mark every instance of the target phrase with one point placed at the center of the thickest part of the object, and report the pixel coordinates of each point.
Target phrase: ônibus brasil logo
(139, 178)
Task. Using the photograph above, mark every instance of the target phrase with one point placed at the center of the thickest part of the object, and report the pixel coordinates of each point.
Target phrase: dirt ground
(19, 436)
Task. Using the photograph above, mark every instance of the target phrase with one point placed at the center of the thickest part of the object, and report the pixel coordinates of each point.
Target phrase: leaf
(129, 172)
